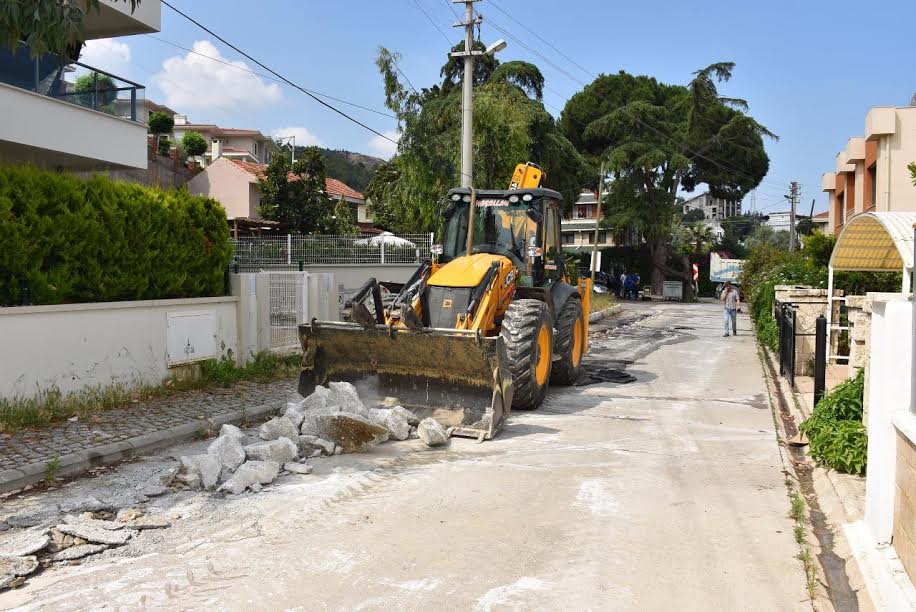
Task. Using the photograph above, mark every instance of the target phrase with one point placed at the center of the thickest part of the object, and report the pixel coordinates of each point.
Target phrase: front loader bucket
(457, 377)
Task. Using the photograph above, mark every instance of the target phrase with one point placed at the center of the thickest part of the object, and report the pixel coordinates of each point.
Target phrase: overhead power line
(435, 25)
(278, 75)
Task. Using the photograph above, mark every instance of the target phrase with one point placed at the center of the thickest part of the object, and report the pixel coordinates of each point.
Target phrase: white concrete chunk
(24, 543)
(206, 469)
(432, 432)
(281, 451)
(230, 453)
(278, 427)
(78, 552)
(250, 473)
(96, 535)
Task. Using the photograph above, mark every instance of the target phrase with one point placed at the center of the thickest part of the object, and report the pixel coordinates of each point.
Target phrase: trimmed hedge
(70, 240)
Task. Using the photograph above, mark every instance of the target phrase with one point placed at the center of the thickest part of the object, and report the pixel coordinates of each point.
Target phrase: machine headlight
(513, 199)
(456, 197)
(527, 197)
(466, 198)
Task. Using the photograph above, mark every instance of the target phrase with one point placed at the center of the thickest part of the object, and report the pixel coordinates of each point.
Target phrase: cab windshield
(499, 227)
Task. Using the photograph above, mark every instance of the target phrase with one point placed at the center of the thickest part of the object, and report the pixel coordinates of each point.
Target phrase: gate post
(820, 358)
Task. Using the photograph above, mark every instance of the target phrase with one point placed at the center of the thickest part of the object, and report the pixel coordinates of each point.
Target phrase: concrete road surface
(660, 488)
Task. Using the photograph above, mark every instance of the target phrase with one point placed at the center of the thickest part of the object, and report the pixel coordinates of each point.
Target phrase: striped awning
(876, 242)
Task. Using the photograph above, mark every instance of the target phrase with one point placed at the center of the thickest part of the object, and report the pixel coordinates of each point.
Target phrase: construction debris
(96, 535)
(397, 426)
(280, 451)
(230, 453)
(200, 471)
(78, 552)
(12, 568)
(351, 432)
(297, 468)
(432, 432)
(278, 427)
(251, 473)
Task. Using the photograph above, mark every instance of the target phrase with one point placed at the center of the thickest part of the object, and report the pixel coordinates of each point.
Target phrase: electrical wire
(268, 77)
(278, 75)
(435, 25)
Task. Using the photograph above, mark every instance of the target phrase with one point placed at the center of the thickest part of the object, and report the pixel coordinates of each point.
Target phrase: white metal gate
(288, 307)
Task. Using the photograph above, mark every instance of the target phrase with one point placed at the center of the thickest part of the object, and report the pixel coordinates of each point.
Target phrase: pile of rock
(330, 421)
(77, 537)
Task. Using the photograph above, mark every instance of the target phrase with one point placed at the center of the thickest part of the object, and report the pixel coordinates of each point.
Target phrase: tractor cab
(522, 225)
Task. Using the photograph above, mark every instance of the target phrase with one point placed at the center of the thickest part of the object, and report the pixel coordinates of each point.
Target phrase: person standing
(732, 301)
(623, 284)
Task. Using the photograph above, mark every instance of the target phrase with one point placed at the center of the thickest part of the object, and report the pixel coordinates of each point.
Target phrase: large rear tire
(528, 334)
(569, 343)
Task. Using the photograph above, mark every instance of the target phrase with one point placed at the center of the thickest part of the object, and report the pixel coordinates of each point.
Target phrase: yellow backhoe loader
(481, 328)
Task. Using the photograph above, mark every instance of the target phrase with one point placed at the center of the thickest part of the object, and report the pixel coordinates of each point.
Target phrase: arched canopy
(876, 242)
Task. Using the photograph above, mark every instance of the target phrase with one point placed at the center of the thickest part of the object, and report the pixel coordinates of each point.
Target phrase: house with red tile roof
(235, 143)
(234, 184)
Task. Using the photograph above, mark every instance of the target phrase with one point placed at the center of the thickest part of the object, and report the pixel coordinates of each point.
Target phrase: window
(255, 149)
(602, 237)
(873, 192)
(569, 238)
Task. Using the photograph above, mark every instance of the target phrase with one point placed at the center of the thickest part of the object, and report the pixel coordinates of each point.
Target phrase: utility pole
(467, 88)
(594, 265)
(793, 199)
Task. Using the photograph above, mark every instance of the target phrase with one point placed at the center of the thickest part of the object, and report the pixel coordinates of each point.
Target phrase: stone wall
(905, 505)
(810, 304)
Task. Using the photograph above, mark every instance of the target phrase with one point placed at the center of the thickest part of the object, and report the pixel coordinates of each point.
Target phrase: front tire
(569, 343)
(528, 334)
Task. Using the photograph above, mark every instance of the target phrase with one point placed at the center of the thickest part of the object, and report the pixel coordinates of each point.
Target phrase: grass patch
(600, 301)
(798, 511)
(52, 405)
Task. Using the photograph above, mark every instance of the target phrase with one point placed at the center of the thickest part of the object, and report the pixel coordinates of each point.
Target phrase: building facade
(578, 228)
(233, 143)
(871, 172)
(234, 184)
(714, 209)
(69, 115)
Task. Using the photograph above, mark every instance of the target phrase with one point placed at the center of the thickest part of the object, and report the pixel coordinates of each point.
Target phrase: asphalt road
(660, 488)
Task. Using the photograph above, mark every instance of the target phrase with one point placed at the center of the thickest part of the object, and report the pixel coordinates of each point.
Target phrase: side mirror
(449, 210)
(534, 213)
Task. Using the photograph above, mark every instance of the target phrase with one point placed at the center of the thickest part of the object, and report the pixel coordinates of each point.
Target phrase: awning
(875, 242)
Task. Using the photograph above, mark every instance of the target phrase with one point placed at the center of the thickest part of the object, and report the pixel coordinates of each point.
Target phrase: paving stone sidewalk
(38, 446)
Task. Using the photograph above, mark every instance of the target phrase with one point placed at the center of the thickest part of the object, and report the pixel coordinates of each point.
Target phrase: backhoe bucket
(457, 377)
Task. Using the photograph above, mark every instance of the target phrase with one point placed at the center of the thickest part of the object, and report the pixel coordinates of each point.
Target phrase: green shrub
(835, 432)
(69, 240)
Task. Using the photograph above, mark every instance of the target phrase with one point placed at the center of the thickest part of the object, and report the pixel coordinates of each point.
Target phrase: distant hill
(354, 169)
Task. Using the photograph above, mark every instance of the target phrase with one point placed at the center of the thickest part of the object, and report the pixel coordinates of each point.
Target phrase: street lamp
(292, 140)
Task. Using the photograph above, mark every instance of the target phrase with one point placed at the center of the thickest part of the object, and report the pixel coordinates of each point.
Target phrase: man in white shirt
(732, 302)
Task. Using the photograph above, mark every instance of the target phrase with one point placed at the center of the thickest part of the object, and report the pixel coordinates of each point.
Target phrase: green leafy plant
(194, 144)
(837, 438)
(52, 467)
(71, 240)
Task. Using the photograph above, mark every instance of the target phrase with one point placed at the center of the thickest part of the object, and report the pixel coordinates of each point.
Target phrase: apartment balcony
(68, 115)
(115, 18)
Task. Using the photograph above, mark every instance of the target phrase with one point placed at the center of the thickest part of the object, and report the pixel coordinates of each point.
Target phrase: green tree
(510, 126)
(656, 139)
(341, 220)
(96, 91)
(690, 242)
(294, 194)
(692, 216)
(47, 26)
(912, 168)
(766, 235)
(194, 144)
(160, 123)
(736, 230)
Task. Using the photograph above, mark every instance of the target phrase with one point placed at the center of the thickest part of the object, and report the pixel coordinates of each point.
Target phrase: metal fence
(287, 308)
(290, 252)
(786, 322)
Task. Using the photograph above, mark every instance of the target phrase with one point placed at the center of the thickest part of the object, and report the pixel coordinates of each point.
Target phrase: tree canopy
(510, 126)
(47, 26)
(194, 144)
(294, 194)
(656, 139)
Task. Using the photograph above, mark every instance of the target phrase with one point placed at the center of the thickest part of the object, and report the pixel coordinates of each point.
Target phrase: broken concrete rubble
(25, 543)
(13, 567)
(78, 552)
(200, 471)
(280, 450)
(231, 431)
(397, 426)
(432, 432)
(83, 504)
(308, 445)
(407, 415)
(250, 473)
(344, 395)
(230, 453)
(96, 535)
(351, 432)
(297, 468)
(278, 427)
(294, 413)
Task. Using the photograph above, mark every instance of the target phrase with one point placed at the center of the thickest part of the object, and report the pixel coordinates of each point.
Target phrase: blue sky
(810, 70)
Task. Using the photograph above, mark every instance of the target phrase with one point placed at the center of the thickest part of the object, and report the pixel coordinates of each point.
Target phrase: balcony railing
(71, 82)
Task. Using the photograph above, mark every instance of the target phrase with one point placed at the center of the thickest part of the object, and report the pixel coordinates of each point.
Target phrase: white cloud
(385, 148)
(304, 138)
(107, 54)
(195, 82)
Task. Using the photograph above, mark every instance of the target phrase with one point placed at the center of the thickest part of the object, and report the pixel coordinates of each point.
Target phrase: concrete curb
(604, 314)
(72, 463)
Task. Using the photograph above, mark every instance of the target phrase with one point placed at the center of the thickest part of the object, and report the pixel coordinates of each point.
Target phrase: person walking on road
(623, 284)
(732, 302)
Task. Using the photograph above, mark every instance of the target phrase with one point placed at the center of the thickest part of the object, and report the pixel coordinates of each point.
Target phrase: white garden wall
(77, 346)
